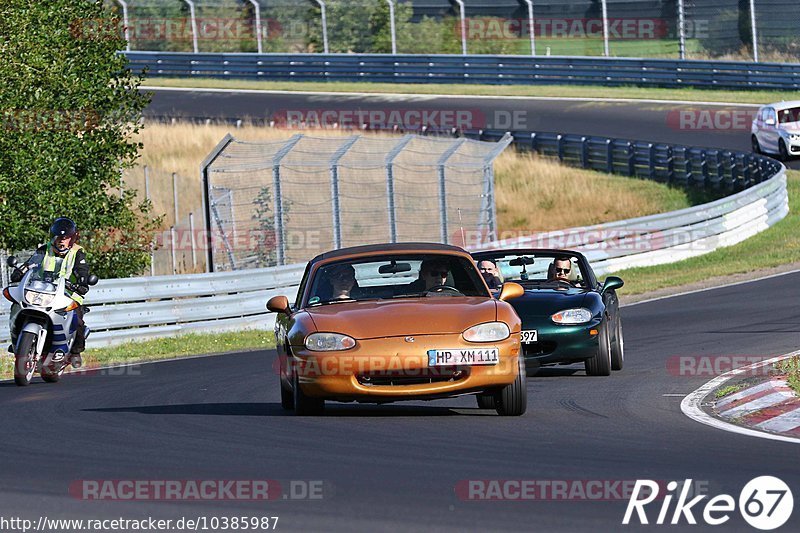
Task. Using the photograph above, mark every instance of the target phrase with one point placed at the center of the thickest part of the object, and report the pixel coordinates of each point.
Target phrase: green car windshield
(541, 270)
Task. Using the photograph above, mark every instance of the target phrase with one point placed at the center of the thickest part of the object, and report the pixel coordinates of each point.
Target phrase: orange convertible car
(390, 322)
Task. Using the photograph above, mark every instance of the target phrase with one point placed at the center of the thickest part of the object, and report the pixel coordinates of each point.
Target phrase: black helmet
(63, 227)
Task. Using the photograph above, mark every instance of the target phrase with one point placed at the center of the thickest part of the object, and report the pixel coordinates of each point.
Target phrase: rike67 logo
(765, 503)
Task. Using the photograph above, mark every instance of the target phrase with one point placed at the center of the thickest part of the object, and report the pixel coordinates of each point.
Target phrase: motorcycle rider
(63, 255)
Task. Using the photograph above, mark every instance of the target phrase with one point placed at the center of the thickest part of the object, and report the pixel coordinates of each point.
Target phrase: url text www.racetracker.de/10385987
(198, 523)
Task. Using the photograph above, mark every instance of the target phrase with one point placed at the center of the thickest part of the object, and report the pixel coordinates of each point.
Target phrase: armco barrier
(477, 69)
(152, 307)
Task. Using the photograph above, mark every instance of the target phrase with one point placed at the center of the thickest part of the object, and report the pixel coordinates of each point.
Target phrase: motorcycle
(45, 320)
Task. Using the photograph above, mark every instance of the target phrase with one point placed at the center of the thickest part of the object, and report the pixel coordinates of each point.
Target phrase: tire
(485, 401)
(287, 398)
(618, 347)
(600, 364)
(305, 405)
(512, 400)
(754, 143)
(784, 153)
(24, 368)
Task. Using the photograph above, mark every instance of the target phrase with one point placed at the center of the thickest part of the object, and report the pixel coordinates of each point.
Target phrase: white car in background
(776, 130)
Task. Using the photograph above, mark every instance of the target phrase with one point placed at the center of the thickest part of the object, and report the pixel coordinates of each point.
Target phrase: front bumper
(559, 344)
(390, 369)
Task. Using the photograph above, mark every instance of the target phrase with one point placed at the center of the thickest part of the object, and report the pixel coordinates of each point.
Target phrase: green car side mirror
(612, 282)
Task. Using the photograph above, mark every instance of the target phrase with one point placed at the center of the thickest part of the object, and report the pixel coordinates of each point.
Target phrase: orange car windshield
(396, 276)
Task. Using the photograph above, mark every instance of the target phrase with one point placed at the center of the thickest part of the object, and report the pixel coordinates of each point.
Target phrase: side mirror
(11, 261)
(612, 282)
(279, 304)
(92, 280)
(510, 291)
(770, 122)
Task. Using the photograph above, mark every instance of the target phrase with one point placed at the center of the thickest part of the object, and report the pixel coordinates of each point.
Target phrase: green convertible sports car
(567, 315)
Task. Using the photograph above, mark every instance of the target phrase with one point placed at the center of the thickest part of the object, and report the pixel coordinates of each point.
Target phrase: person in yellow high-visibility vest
(64, 255)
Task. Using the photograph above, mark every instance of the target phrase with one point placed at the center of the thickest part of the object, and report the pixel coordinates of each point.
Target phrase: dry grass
(532, 192)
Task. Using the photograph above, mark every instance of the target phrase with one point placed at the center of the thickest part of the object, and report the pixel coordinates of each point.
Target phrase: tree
(69, 108)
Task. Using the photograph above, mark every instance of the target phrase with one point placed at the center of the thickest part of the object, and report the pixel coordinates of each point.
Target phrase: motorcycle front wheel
(25, 364)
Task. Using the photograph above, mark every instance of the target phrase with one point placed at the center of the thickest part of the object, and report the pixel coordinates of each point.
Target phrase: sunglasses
(563, 270)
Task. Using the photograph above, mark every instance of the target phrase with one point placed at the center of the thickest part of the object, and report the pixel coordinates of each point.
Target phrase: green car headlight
(572, 316)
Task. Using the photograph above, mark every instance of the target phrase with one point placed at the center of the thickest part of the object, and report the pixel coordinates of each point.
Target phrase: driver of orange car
(432, 273)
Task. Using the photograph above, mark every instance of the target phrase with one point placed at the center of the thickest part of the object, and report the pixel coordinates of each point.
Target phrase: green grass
(724, 391)
(791, 367)
(182, 346)
(563, 91)
(776, 246)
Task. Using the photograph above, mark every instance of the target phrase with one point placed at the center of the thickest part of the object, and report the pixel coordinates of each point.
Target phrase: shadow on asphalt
(556, 371)
(332, 410)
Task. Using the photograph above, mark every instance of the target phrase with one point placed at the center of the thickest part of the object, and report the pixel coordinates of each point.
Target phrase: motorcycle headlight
(572, 316)
(488, 332)
(40, 299)
(329, 342)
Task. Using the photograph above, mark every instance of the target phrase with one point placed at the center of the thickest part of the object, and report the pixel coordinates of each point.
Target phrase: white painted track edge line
(449, 96)
(690, 406)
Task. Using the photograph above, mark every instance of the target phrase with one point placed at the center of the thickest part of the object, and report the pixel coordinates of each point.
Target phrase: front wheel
(305, 405)
(512, 400)
(784, 153)
(485, 401)
(600, 364)
(25, 364)
(755, 144)
(618, 347)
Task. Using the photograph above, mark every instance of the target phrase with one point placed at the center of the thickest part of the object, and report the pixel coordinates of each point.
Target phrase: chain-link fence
(699, 29)
(273, 203)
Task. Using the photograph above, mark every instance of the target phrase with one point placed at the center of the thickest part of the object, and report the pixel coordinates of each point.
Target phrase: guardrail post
(670, 165)
(560, 146)
(631, 159)
(584, 152)
(534, 142)
(704, 166)
(610, 156)
(688, 165)
(652, 160)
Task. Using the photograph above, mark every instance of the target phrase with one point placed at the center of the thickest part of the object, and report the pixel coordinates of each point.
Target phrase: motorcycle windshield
(42, 281)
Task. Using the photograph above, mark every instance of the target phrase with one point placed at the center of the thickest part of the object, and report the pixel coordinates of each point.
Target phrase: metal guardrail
(152, 307)
(477, 69)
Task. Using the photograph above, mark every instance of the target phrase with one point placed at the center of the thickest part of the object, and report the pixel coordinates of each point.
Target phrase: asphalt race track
(396, 467)
(706, 125)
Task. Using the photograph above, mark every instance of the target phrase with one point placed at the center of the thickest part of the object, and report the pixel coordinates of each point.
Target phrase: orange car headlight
(488, 332)
(329, 342)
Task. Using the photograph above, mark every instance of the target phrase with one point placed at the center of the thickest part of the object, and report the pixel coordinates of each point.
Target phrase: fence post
(560, 146)
(257, 9)
(147, 197)
(530, 26)
(463, 17)
(193, 18)
(681, 30)
(278, 197)
(584, 152)
(670, 165)
(175, 195)
(631, 159)
(651, 156)
(754, 30)
(172, 249)
(191, 231)
(443, 188)
(334, 167)
(126, 30)
(605, 28)
(610, 156)
(393, 26)
(324, 14)
(206, 198)
(390, 157)
(534, 142)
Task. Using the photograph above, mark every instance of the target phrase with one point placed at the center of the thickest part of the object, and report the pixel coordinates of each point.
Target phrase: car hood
(396, 318)
(546, 302)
